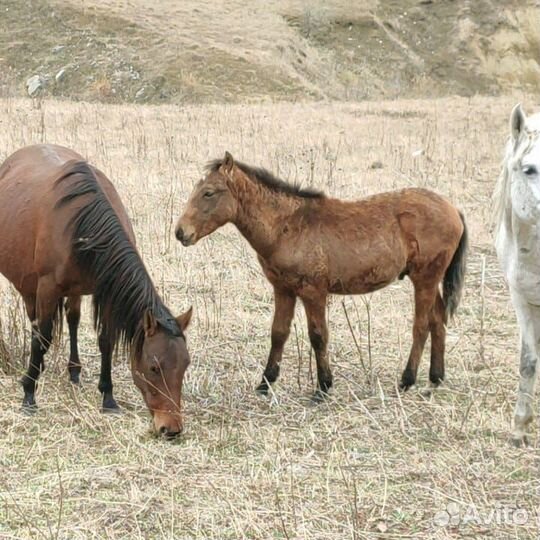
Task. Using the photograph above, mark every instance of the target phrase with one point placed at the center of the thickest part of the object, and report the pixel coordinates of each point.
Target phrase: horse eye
(208, 194)
(530, 170)
(154, 369)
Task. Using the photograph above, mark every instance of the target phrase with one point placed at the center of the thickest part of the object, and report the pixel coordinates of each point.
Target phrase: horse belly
(368, 271)
(372, 280)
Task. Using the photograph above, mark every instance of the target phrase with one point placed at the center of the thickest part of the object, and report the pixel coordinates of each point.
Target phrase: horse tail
(455, 274)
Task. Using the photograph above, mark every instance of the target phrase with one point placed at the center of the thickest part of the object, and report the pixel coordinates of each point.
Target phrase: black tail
(455, 274)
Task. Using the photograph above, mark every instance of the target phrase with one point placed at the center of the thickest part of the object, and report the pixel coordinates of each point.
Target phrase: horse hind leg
(437, 331)
(424, 298)
(73, 316)
(318, 336)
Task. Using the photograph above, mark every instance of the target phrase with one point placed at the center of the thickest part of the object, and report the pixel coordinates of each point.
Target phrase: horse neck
(261, 213)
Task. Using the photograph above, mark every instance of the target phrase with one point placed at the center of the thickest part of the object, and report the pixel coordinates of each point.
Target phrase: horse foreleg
(318, 336)
(281, 326)
(523, 412)
(105, 384)
(73, 316)
(529, 322)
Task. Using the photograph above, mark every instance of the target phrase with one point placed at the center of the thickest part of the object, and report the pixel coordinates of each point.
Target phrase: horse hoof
(436, 380)
(75, 379)
(111, 410)
(519, 441)
(111, 407)
(406, 384)
(29, 408)
(319, 396)
(262, 389)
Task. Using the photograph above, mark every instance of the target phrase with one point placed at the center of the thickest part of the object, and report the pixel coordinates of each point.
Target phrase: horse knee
(279, 336)
(420, 327)
(523, 418)
(528, 369)
(317, 339)
(73, 317)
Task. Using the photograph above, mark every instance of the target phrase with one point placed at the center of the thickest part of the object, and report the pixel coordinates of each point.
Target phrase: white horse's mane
(501, 193)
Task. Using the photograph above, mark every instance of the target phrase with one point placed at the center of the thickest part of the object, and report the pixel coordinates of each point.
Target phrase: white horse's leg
(523, 413)
(529, 322)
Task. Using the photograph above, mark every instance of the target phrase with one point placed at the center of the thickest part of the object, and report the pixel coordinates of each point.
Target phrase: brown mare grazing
(310, 246)
(65, 233)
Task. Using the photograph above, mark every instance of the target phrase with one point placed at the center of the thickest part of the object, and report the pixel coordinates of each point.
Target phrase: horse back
(354, 247)
(34, 233)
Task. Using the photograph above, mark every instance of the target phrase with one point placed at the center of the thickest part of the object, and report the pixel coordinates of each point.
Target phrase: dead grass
(369, 463)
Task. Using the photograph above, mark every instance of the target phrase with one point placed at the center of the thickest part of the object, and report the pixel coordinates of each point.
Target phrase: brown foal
(310, 246)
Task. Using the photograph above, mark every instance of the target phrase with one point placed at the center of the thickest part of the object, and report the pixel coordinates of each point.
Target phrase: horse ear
(184, 319)
(517, 121)
(149, 323)
(228, 162)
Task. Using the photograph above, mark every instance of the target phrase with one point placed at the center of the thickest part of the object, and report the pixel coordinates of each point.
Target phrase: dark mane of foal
(123, 288)
(267, 179)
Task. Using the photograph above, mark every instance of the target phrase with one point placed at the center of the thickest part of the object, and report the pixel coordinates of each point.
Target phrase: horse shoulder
(291, 266)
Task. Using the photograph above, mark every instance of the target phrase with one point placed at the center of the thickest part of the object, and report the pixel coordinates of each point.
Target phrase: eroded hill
(186, 51)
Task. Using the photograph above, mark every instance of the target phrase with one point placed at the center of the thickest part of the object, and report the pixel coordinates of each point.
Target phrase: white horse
(517, 218)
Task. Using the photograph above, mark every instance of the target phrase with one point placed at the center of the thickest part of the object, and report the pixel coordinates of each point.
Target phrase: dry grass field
(370, 462)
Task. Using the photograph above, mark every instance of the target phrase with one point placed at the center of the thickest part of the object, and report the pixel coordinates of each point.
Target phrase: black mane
(267, 179)
(101, 246)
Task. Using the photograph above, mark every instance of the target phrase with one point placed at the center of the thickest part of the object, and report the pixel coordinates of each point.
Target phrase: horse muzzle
(168, 426)
(187, 238)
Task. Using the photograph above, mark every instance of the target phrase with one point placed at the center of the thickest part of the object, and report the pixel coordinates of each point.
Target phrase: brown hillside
(199, 51)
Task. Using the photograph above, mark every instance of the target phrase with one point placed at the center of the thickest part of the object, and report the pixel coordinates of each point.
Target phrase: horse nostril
(168, 434)
(179, 233)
